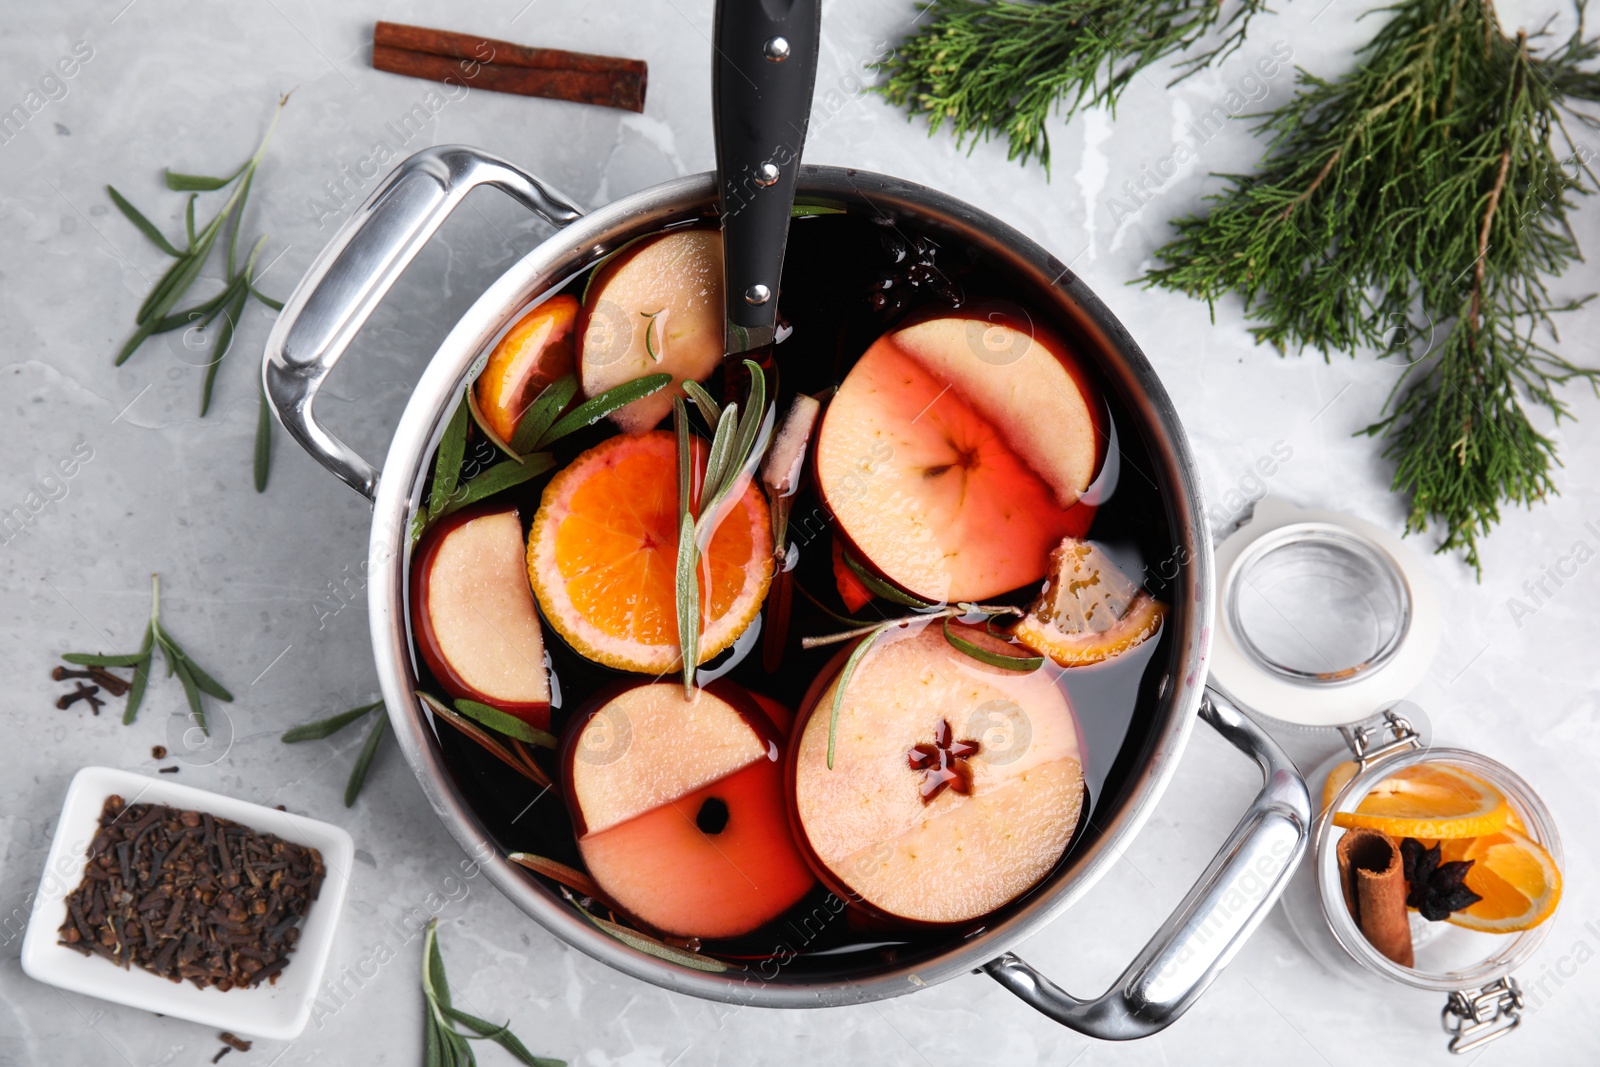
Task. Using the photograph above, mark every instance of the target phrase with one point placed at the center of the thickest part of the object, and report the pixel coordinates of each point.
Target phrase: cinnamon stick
(506, 67)
(1374, 881)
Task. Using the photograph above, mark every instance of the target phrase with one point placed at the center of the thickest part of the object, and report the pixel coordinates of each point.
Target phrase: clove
(105, 679)
(83, 692)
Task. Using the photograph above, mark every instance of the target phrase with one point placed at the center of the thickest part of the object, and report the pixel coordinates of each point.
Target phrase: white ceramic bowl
(275, 1011)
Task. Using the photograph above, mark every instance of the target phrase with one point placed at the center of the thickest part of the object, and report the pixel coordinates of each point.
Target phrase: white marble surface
(188, 83)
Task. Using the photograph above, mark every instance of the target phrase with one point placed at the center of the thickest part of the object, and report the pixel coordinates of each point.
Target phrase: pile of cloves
(102, 678)
(186, 895)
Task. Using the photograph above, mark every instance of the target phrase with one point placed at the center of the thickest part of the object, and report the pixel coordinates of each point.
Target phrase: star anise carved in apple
(943, 764)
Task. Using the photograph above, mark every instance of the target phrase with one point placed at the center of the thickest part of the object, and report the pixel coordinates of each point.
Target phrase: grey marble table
(268, 586)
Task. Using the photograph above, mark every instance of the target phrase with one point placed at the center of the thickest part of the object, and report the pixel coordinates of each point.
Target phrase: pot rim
(546, 267)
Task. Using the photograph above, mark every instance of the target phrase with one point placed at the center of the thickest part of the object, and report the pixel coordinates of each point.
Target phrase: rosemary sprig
(539, 428)
(1004, 67)
(443, 1044)
(156, 314)
(1423, 184)
(737, 443)
(191, 676)
(321, 728)
(509, 748)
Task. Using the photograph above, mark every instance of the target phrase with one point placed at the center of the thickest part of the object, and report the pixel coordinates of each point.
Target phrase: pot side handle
(1220, 912)
(361, 263)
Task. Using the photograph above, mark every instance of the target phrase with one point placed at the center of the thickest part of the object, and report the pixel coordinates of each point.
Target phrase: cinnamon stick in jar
(1373, 876)
(505, 67)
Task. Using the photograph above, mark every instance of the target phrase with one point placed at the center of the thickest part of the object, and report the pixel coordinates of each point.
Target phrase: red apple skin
(535, 714)
(998, 312)
(728, 692)
(1076, 520)
(785, 875)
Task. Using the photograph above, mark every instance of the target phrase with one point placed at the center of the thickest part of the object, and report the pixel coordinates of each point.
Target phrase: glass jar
(1326, 619)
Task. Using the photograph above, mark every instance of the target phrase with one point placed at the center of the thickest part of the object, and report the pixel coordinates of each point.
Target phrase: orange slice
(1089, 610)
(1428, 800)
(532, 354)
(1518, 880)
(603, 553)
(1341, 773)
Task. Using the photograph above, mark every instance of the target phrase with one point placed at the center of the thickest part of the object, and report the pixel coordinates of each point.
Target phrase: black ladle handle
(763, 70)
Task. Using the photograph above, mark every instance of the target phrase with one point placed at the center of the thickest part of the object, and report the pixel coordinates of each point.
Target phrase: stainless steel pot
(358, 267)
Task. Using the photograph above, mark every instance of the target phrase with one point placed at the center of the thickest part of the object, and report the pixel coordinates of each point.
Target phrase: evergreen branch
(1426, 184)
(1005, 67)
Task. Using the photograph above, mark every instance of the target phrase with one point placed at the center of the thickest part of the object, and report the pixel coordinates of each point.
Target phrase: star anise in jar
(1435, 889)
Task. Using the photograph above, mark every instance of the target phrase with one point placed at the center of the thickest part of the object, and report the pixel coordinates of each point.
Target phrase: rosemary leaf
(127, 659)
(754, 414)
(316, 731)
(496, 479)
(994, 659)
(141, 682)
(275, 305)
(848, 672)
(204, 681)
(188, 219)
(263, 452)
(199, 183)
(688, 596)
(146, 227)
(199, 314)
(571, 877)
(680, 423)
(191, 691)
(447, 460)
(596, 408)
(502, 1036)
(703, 400)
(230, 318)
(443, 1043)
(358, 773)
(717, 462)
(651, 947)
(543, 412)
(878, 587)
(502, 723)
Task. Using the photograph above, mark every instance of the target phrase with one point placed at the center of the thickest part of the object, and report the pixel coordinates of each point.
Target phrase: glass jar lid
(1325, 617)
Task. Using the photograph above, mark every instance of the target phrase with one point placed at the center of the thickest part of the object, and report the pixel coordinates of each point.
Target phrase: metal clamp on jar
(1328, 620)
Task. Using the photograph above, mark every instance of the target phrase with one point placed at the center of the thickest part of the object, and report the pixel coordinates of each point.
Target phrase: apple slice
(679, 809)
(473, 614)
(532, 354)
(956, 786)
(951, 475)
(657, 306)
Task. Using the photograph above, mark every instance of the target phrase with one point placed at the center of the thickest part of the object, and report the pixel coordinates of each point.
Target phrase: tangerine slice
(1428, 800)
(532, 354)
(1088, 611)
(1518, 880)
(603, 554)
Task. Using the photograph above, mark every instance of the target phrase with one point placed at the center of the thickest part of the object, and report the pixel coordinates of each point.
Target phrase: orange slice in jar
(1426, 800)
(603, 553)
(1517, 879)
